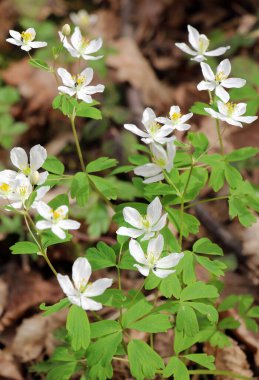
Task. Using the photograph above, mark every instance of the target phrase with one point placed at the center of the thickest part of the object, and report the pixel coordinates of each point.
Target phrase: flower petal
(206, 86)
(58, 231)
(224, 67)
(137, 252)
(76, 38)
(38, 44)
(246, 119)
(14, 41)
(66, 285)
(43, 224)
(143, 270)
(155, 178)
(66, 77)
(38, 155)
(19, 158)
(98, 287)
(88, 304)
(44, 210)
(160, 224)
(132, 232)
(67, 90)
(193, 37)
(15, 35)
(69, 224)
(170, 261)
(83, 96)
(81, 272)
(148, 117)
(233, 82)
(132, 216)
(217, 52)
(147, 170)
(222, 94)
(134, 129)
(185, 48)
(162, 273)
(42, 178)
(156, 245)
(154, 211)
(88, 73)
(207, 72)
(89, 90)
(93, 46)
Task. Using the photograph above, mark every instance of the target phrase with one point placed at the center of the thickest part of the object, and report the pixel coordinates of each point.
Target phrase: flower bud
(34, 178)
(66, 30)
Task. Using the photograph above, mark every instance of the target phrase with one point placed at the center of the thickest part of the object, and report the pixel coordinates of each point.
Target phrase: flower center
(26, 37)
(152, 259)
(23, 191)
(145, 222)
(5, 188)
(84, 43)
(175, 116)
(220, 76)
(159, 162)
(83, 285)
(57, 216)
(203, 44)
(154, 128)
(26, 171)
(230, 108)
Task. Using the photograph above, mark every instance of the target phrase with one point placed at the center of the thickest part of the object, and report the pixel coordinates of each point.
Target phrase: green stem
(135, 296)
(215, 373)
(168, 179)
(78, 148)
(210, 96)
(219, 137)
(44, 254)
(206, 201)
(182, 206)
(119, 277)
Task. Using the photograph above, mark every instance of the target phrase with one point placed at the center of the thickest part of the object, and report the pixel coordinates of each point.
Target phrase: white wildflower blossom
(83, 19)
(176, 120)
(163, 160)
(200, 44)
(81, 291)
(38, 155)
(231, 113)
(80, 46)
(155, 132)
(147, 225)
(151, 261)
(219, 80)
(25, 39)
(78, 84)
(56, 220)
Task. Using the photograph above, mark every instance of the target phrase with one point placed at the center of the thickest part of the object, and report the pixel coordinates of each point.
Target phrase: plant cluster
(170, 175)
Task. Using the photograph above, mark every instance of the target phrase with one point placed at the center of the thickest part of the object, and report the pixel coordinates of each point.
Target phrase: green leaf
(219, 339)
(112, 297)
(39, 64)
(48, 310)
(204, 360)
(215, 267)
(199, 141)
(56, 103)
(232, 175)
(205, 245)
(208, 310)
(186, 320)
(217, 177)
(228, 303)
(198, 108)
(24, 247)
(242, 154)
(135, 312)
(253, 312)
(144, 362)
(153, 323)
(80, 188)
(101, 257)
(100, 164)
(245, 301)
(229, 323)
(251, 324)
(78, 328)
(102, 328)
(186, 266)
(84, 110)
(177, 368)
(59, 200)
(198, 290)
(171, 286)
(62, 371)
(104, 187)
(190, 223)
(53, 165)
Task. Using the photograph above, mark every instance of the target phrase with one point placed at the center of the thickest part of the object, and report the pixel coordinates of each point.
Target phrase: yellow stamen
(220, 76)
(56, 215)
(231, 107)
(85, 42)
(175, 116)
(145, 222)
(4, 187)
(26, 37)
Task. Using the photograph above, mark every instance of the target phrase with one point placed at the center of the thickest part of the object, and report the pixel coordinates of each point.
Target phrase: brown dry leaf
(34, 336)
(131, 66)
(3, 295)
(8, 367)
(38, 86)
(232, 359)
(26, 290)
(250, 237)
(108, 25)
(8, 17)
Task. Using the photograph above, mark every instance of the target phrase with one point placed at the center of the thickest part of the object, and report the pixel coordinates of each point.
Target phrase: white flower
(83, 19)
(25, 39)
(80, 46)
(154, 131)
(151, 261)
(162, 160)
(38, 155)
(80, 291)
(219, 80)
(146, 225)
(55, 220)
(176, 120)
(231, 113)
(200, 44)
(78, 84)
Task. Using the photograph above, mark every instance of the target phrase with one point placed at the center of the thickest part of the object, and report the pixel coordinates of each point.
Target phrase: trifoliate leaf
(78, 328)
(101, 257)
(53, 165)
(170, 286)
(24, 247)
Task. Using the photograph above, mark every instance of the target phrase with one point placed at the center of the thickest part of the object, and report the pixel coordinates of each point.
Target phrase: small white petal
(233, 83)
(44, 210)
(193, 37)
(170, 261)
(43, 225)
(148, 117)
(155, 178)
(88, 73)
(247, 119)
(76, 38)
(143, 270)
(38, 44)
(185, 48)
(67, 90)
(207, 72)
(14, 41)
(154, 211)
(89, 90)
(206, 86)
(38, 155)
(19, 158)
(66, 77)
(132, 232)
(156, 245)
(137, 252)
(162, 273)
(224, 67)
(66, 285)
(98, 287)
(147, 170)
(217, 52)
(58, 231)
(83, 96)
(42, 178)
(160, 224)
(69, 224)
(132, 216)
(81, 272)
(88, 304)
(222, 94)
(93, 46)
(26, 47)
(134, 129)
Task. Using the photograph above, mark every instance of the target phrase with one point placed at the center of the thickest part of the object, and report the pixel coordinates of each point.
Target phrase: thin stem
(210, 96)
(215, 373)
(171, 182)
(44, 254)
(120, 359)
(119, 277)
(138, 291)
(219, 137)
(206, 201)
(78, 148)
